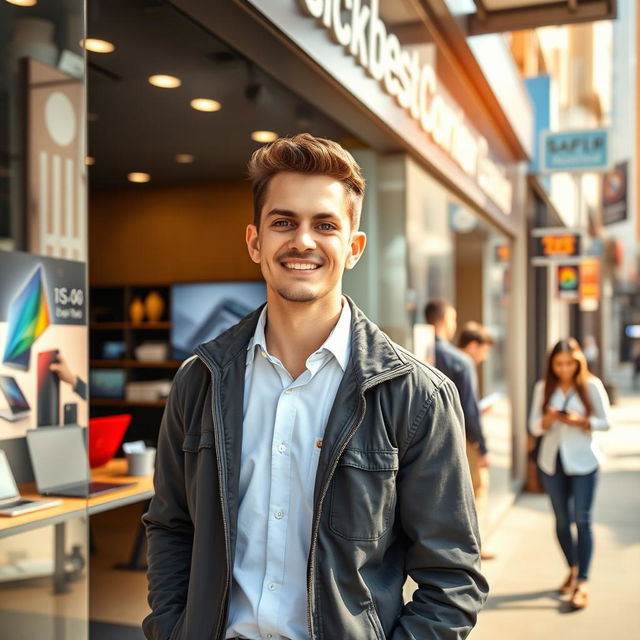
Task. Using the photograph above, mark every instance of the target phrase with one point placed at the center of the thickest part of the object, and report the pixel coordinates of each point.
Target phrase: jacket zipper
(383, 377)
(221, 484)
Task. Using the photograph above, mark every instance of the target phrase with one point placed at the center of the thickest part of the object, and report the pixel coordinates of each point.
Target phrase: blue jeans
(572, 499)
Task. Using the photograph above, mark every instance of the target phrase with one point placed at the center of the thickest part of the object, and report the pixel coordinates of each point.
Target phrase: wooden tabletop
(113, 471)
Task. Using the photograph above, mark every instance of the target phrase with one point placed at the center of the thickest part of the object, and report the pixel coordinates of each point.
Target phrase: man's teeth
(299, 266)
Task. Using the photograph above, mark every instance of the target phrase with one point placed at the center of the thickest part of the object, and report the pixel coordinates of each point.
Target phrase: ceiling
(134, 126)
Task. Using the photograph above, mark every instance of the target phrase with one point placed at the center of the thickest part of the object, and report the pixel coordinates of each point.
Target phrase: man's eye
(281, 223)
(326, 226)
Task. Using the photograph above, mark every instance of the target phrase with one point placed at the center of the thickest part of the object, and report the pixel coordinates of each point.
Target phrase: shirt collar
(338, 343)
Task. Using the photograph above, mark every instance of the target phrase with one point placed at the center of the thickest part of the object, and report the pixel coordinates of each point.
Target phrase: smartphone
(564, 412)
(70, 413)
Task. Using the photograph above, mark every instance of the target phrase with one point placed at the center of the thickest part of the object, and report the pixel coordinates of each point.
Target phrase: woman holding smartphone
(568, 405)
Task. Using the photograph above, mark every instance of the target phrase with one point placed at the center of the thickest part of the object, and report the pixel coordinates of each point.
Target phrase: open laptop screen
(58, 456)
(8, 488)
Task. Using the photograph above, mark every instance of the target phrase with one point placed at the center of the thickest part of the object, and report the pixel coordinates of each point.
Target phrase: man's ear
(253, 243)
(356, 246)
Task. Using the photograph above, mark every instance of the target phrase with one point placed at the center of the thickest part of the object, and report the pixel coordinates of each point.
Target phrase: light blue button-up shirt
(283, 427)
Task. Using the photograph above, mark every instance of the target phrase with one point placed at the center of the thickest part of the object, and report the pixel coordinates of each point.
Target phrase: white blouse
(578, 451)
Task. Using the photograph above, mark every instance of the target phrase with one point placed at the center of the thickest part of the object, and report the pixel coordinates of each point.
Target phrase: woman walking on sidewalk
(568, 405)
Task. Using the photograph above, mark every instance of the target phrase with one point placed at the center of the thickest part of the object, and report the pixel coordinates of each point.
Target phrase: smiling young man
(306, 463)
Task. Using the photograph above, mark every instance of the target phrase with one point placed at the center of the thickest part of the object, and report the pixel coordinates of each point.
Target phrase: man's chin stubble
(297, 296)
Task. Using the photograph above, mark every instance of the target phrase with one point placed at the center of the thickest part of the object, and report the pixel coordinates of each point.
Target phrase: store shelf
(136, 364)
(117, 402)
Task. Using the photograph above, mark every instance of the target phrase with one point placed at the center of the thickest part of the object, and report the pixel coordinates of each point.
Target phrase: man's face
(483, 352)
(305, 240)
(478, 351)
(450, 322)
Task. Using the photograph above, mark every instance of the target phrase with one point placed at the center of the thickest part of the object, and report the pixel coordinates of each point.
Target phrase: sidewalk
(524, 604)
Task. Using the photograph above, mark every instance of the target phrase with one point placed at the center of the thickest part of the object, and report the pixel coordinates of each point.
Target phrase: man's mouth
(300, 266)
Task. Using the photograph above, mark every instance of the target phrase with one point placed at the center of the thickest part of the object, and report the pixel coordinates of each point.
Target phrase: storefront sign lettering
(414, 86)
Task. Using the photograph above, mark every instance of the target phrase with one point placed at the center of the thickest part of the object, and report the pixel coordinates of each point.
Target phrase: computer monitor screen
(202, 311)
(15, 398)
(58, 456)
(8, 488)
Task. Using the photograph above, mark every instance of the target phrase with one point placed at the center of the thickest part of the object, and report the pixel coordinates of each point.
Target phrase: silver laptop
(60, 463)
(18, 405)
(11, 504)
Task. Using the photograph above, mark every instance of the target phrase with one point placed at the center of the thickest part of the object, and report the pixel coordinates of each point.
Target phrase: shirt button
(262, 353)
(279, 515)
(289, 390)
(272, 586)
(282, 448)
(269, 635)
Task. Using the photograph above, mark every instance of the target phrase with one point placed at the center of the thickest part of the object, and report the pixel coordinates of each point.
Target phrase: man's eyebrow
(292, 214)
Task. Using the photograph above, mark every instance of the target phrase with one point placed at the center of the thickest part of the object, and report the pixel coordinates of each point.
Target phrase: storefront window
(43, 322)
(453, 253)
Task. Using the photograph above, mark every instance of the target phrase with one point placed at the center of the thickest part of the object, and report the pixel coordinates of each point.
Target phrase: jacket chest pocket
(363, 494)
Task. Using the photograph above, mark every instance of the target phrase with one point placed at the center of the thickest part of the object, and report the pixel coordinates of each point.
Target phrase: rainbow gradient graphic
(27, 319)
(568, 277)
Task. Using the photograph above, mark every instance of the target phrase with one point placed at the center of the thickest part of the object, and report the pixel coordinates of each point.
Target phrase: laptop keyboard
(16, 503)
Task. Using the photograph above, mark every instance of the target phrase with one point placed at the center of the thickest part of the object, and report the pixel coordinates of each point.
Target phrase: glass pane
(43, 322)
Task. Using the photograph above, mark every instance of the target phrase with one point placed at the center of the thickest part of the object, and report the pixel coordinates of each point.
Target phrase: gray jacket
(392, 498)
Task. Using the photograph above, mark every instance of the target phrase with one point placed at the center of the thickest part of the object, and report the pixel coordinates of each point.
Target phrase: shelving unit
(110, 322)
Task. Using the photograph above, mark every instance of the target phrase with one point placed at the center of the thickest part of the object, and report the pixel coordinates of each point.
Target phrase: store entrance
(174, 115)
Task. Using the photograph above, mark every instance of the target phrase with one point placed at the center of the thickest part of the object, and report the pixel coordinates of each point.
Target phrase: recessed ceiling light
(205, 104)
(264, 136)
(23, 3)
(164, 81)
(138, 176)
(97, 46)
(185, 158)
(89, 161)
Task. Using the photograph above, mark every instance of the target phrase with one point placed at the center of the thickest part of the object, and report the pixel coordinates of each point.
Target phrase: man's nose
(303, 239)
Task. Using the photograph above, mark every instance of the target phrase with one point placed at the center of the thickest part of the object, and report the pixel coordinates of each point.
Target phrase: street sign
(614, 194)
(574, 151)
(568, 281)
(556, 244)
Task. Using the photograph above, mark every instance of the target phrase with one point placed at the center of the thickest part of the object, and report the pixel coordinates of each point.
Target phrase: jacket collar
(372, 352)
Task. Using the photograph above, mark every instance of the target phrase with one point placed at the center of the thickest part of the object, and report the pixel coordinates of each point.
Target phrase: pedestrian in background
(459, 368)
(568, 405)
(475, 341)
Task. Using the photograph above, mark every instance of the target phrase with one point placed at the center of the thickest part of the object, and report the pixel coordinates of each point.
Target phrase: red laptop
(105, 436)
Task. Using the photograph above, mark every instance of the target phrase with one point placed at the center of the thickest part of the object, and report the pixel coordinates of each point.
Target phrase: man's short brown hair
(435, 310)
(474, 332)
(305, 153)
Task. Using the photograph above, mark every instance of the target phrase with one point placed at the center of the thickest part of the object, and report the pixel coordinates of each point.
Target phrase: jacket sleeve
(168, 525)
(470, 409)
(437, 511)
(600, 419)
(535, 413)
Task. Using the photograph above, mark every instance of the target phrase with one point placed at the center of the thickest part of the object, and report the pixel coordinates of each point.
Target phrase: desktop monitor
(202, 311)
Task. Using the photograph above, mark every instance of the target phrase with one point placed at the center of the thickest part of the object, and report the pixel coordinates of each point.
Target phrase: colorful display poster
(568, 279)
(43, 343)
(590, 279)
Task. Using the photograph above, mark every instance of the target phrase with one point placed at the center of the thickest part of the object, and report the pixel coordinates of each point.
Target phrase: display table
(113, 471)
